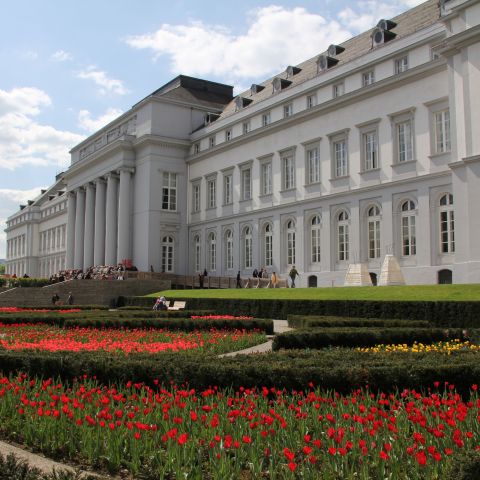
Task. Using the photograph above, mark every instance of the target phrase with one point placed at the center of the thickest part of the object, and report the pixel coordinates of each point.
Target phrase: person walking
(70, 299)
(293, 274)
(274, 280)
(239, 280)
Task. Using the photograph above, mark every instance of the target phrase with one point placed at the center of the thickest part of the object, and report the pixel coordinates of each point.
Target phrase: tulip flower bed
(219, 317)
(41, 310)
(50, 338)
(441, 347)
(246, 434)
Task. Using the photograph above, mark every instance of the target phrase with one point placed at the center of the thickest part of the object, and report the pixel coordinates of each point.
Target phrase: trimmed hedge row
(360, 337)
(442, 314)
(339, 369)
(311, 321)
(169, 322)
(24, 282)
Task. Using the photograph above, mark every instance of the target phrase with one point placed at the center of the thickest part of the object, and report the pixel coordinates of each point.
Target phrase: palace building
(372, 147)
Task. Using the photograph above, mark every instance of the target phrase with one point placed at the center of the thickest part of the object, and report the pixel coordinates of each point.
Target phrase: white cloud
(61, 56)
(367, 13)
(86, 122)
(276, 37)
(100, 78)
(23, 140)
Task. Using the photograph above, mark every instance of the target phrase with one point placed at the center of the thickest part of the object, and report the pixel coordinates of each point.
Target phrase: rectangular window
(228, 189)
(370, 150)
(288, 170)
(374, 239)
(401, 64)
(313, 165)
(338, 90)
(228, 135)
(442, 131)
(196, 148)
(311, 101)
(405, 141)
(409, 246)
(245, 127)
(196, 198)
(211, 142)
(266, 174)
(368, 78)
(211, 193)
(169, 191)
(343, 243)
(246, 184)
(340, 158)
(265, 119)
(287, 110)
(447, 231)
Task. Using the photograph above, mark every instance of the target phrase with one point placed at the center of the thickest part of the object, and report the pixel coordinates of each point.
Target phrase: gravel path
(46, 465)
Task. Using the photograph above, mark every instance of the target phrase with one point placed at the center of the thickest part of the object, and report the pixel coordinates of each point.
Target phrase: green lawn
(410, 292)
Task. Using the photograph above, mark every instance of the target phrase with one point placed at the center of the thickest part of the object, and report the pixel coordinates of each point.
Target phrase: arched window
(373, 215)
(409, 239)
(167, 254)
(196, 253)
(247, 247)
(212, 252)
(447, 225)
(290, 242)
(228, 249)
(343, 236)
(268, 246)
(315, 239)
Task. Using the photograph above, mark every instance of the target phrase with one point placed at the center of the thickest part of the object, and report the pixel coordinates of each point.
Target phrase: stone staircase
(85, 292)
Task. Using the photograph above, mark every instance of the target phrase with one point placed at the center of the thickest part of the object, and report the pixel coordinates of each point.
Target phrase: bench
(177, 306)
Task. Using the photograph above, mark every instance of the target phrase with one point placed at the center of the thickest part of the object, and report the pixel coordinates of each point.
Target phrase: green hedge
(311, 321)
(441, 314)
(339, 369)
(169, 320)
(360, 337)
(24, 282)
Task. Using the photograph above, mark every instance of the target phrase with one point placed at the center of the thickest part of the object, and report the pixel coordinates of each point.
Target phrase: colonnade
(99, 219)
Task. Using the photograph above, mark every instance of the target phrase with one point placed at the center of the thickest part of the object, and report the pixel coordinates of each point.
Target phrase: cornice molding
(409, 76)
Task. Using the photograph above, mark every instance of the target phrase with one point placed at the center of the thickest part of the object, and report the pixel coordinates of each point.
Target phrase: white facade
(369, 150)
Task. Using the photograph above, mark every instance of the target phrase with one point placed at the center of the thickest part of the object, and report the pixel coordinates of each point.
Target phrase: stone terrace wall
(85, 292)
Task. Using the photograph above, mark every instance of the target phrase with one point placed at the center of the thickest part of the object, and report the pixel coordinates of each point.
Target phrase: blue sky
(68, 68)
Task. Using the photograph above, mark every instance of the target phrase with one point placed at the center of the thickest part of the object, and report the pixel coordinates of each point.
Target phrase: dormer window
(291, 71)
(196, 148)
(211, 142)
(324, 62)
(241, 102)
(334, 50)
(211, 117)
(254, 89)
(381, 33)
(279, 84)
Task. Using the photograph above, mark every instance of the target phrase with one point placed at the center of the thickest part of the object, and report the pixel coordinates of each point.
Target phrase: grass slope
(467, 292)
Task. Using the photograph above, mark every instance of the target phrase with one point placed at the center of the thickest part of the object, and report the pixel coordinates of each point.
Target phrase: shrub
(311, 321)
(360, 337)
(442, 314)
(173, 320)
(339, 369)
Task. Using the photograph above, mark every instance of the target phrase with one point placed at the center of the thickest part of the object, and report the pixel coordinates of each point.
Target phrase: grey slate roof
(409, 22)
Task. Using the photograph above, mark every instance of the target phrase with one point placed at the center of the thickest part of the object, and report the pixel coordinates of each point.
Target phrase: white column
(124, 215)
(111, 220)
(79, 228)
(71, 213)
(89, 226)
(99, 249)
